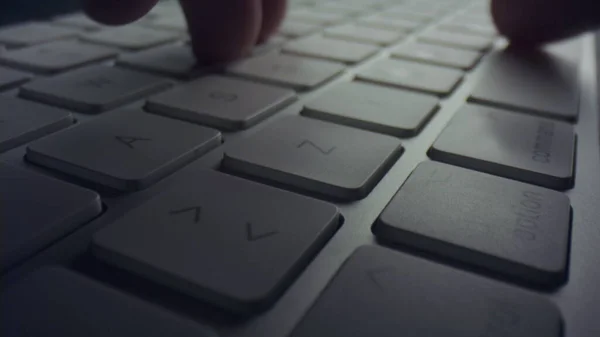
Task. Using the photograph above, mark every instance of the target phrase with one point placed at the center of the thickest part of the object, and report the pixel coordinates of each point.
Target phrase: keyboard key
(293, 29)
(37, 210)
(438, 55)
(34, 33)
(173, 22)
(132, 37)
(56, 302)
(332, 49)
(173, 61)
(405, 74)
(402, 13)
(55, 57)
(379, 292)
(273, 42)
(469, 42)
(339, 8)
(364, 34)
(221, 102)
(314, 17)
(551, 83)
(325, 158)
(125, 150)
(297, 72)
(526, 148)
(395, 24)
(378, 109)
(253, 239)
(78, 20)
(10, 78)
(467, 28)
(94, 90)
(502, 226)
(23, 121)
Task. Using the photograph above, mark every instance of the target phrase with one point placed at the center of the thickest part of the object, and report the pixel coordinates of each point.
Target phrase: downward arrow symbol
(252, 236)
(196, 210)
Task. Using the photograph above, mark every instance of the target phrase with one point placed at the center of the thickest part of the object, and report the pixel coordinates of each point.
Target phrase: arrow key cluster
(224, 240)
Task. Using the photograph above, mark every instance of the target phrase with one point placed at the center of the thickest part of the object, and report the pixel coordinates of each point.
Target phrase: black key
(543, 84)
(378, 292)
(526, 148)
(503, 226)
(95, 89)
(222, 239)
(56, 302)
(10, 78)
(36, 210)
(23, 121)
(126, 150)
(374, 108)
(411, 75)
(311, 155)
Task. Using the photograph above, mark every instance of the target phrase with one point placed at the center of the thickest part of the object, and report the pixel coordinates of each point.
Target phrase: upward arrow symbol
(196, 210)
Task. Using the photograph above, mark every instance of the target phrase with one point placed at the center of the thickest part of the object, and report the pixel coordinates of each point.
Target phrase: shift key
(540, 83)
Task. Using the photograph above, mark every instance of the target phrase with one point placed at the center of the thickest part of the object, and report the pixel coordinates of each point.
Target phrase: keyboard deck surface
(375, 158)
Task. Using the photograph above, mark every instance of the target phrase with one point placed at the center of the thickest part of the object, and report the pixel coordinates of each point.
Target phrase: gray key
(55, 57)
(78, 20)
(293, 29)
(469, 42)
(297, 72)
(22, 121)
(321, 157)
(467, 28)
(94, 90)
(37, 210)
(411, 75)
(314, 17)
(404, 14)
(438, 55)
(551, 83)
(353, 32)
(56, 302)
(34, 33)
(374, 108)
(174, 61)
(332, 49)
(228, 241)
(132, 37)
(526, 148)
(125, 150)
(339, 8)
(221, 102)
(379, 292)
(273, 42)
(503, 226)
(395, 24)
(173, 22)
(10, 78)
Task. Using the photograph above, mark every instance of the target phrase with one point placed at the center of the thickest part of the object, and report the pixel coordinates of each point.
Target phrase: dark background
(12, 11)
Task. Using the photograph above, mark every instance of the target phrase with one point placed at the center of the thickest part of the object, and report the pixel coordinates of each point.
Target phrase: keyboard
(376, 168)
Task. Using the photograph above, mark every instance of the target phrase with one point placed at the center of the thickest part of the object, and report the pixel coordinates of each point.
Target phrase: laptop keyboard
(329, 184)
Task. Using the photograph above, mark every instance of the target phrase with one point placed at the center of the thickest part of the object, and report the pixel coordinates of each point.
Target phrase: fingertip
(117, 12)
(273, 14)
(222, 31)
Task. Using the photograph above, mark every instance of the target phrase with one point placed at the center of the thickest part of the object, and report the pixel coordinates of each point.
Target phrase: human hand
(533, 22)
(221, 30)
